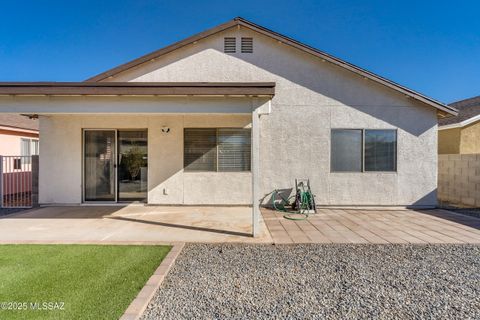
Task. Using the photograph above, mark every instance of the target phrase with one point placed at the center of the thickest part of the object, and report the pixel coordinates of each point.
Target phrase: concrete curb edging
(140, 303)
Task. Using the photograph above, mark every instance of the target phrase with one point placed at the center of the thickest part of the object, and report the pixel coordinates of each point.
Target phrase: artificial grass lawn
(93, 281)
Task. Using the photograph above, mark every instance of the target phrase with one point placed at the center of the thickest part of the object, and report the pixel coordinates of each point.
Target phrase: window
(247, 45)
(357, 150)
(222, 150)
(234, 149)
(17, 163)
(25, 149)
(35, 148)
(346, 150)
(28, 147)
(380, 150)
(230, 45)
(200, 150)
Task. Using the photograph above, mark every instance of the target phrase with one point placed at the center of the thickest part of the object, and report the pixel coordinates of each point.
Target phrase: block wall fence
(459, 179)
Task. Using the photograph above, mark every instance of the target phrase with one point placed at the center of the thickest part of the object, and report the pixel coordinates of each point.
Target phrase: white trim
(460, 124)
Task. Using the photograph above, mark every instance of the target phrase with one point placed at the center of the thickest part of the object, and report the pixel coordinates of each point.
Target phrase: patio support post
(255, 172)
(257, 111)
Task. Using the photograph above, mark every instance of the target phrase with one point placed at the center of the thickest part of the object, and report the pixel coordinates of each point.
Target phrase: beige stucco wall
(61, 159)
(10, 139)
(449, 141)
(470, 139)
(312, 97)
(463, 140)
(10, 144)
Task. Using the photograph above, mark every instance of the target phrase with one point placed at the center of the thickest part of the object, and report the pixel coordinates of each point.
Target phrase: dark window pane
(380, 150)
(234, 149)
(132, 162)
(200, 150)
(346, 150)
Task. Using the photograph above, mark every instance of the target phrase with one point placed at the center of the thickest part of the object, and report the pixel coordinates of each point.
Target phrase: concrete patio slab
(131, 224)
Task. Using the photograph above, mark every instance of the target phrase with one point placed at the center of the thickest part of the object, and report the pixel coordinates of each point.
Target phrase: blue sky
(430, 46)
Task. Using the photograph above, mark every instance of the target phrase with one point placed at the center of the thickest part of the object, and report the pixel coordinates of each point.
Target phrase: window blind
(234, 149)
(200, 149)
(224, 150)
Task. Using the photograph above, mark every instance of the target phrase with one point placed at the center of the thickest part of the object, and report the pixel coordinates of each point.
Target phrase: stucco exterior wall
(464, 140)
(10, 140)
(449, 141)
(312, 97)
(60, 177)
(10, 144)
(470, 139)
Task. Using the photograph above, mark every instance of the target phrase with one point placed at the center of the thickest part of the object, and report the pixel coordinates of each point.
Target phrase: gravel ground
(231, 281)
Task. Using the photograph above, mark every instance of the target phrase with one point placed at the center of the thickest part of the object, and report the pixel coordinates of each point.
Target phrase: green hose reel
(302, 203)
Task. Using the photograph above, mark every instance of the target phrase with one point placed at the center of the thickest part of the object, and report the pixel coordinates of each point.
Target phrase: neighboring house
(18, 135)
(461, 134)
(18, 141)
(225, 117)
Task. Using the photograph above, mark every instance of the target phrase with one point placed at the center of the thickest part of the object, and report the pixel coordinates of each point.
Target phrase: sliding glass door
(132, 165)
(115, 165)
(99, 165)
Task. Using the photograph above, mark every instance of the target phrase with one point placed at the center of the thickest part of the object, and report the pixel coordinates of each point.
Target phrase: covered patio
(131, 224)
(158, 143)
(139, 224)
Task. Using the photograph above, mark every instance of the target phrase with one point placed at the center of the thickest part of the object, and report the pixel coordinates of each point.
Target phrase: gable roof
(18, 122)
(444, 110)
(468, 112)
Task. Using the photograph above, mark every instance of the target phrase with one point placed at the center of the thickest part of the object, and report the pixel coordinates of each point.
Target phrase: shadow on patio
(133, 223)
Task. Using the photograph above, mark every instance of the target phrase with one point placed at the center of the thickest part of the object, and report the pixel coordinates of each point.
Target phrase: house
(226, 116)
(18, 135)
(461, 134)
(18, 142)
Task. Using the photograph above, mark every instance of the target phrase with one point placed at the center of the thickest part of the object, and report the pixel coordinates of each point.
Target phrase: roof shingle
(18, 121)
(467, 109)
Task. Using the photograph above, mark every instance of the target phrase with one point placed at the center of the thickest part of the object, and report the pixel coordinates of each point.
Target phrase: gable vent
(230, 45)
(247, 45)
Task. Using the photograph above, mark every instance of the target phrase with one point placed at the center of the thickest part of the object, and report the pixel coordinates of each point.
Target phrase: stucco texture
(312, 97)
(464, 140)
(61, 159)
(10, 144)
(449, 141)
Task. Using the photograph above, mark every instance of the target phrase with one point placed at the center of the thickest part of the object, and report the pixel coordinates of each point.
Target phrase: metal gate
(16, 181)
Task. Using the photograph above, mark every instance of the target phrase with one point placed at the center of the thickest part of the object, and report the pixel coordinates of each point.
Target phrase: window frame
(363, 151)
(185, 170)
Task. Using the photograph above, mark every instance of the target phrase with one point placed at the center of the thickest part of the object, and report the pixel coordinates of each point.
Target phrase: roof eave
(461, 124)
(137, 89)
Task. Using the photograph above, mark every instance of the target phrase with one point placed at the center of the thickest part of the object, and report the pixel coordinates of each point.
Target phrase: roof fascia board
(136, 88)
(462, 124)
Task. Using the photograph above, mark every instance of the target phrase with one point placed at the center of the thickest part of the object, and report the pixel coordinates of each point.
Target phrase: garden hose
(301, 213)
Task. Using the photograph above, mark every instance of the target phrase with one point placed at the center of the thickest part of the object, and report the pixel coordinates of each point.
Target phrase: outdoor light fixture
(165, 129)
